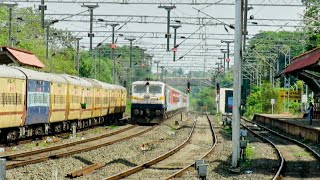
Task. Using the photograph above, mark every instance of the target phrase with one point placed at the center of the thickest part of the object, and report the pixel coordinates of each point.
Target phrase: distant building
(9, 55)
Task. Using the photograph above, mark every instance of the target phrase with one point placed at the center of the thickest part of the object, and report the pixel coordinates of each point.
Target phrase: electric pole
(150, 60)
(78, 55)
(10, 21)
(224, 51)
(47, 41)
(10, 7)
(175, 27)
(162, 67)
(221, 58)
(143, 50)
(130, 65)
(157, 62)
(130, 39)
(99, 64)
(236, 83)
(91, 8)
(113, 47)
(42, 8)
(228, 50)
(245, 23)
(168, 35)
(204, 67)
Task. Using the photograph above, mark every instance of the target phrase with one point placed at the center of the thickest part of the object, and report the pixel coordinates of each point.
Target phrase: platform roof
(306, 67)
(306, 61)
(10, 55)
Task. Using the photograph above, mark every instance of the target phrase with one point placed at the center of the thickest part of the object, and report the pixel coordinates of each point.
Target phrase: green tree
(27, 34)
(226, 80)
(96, 65)
(204, 100)
(259, 99)
(312, 21)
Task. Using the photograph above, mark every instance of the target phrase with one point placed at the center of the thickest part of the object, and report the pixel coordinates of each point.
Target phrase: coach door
(38, 102)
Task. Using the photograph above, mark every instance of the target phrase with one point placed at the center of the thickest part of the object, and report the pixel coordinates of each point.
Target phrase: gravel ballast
(117, 157)
(258, 166)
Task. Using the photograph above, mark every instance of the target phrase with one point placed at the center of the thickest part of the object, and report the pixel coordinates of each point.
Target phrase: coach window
(155, 89)
(140, 89)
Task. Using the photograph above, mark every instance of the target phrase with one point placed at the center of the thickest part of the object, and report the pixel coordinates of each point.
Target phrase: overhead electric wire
(229, 25)
(117, 30)
(189, 50)
(147, 2)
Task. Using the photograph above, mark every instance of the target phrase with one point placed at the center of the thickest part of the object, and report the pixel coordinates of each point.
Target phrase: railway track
(62, 135)
(36, 156)
(181, 158)
(296, 160)
(28, 153)
(186, 168)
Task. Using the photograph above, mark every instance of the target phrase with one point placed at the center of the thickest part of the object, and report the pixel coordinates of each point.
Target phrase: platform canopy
(306, 67)
(10, 55)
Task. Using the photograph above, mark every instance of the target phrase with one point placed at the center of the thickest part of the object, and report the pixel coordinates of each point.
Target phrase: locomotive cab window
(140, 89)
(155, 89)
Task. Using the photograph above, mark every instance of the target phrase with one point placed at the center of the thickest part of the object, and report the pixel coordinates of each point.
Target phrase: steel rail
(29, 153)
(153, 161)
(59, 155)
(280, 156)
(215, 141)
(85, 171)
(315, 154)
(306, 147)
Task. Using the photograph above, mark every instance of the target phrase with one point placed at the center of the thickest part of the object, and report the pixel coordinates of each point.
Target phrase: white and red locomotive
(153, 101)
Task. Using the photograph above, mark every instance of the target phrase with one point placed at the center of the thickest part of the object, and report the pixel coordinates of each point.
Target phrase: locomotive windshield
(140, 89)
(155, 89)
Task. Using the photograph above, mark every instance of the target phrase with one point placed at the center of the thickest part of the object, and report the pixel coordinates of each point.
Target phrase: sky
(198, 52)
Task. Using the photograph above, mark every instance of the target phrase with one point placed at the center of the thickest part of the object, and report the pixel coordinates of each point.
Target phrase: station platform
(293, 125)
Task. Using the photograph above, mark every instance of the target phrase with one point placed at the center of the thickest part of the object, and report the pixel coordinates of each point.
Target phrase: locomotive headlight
(158, 112)
(136, 112)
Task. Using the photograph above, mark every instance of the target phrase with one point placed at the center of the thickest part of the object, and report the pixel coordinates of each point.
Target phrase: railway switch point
(2, 169)
(197, 163)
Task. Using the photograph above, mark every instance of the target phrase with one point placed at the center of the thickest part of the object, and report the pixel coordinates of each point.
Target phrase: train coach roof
(94, 83)
(170, 87)
(9, 72)
(74, 80)
(113, 86)
(36, 75)
(180, 92)
(119, 87)
(104, 85)
(122, 88)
